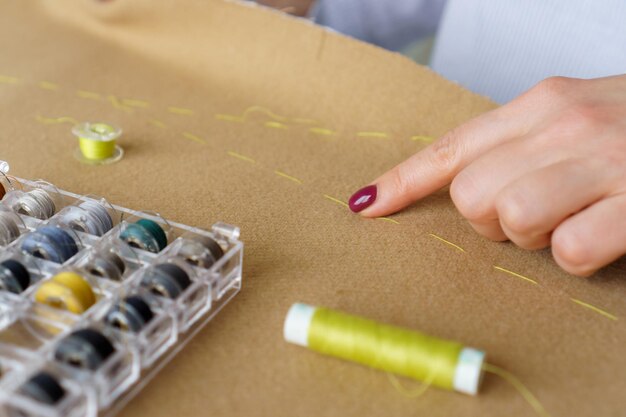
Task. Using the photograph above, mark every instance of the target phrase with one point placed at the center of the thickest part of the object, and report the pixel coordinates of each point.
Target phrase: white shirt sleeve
(391, 24)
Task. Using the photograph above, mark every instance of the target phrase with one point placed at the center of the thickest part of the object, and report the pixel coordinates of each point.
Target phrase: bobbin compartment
(110, 260)
(35, 201)
(147, 233)
(183, 292)
(11, 226)
(33, 331)
(45, 391)
(110, 374)
(51, 244)
(90, 216)
(150, 336)
(216, 256)
(51, 295)
(19, 273)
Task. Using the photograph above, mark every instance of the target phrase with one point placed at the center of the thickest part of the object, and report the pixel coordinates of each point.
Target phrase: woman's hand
(549, 168)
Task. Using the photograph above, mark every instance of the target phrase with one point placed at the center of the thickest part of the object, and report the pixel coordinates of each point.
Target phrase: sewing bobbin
(97, 143)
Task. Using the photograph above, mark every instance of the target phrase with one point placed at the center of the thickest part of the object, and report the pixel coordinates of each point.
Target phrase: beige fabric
(189, 68)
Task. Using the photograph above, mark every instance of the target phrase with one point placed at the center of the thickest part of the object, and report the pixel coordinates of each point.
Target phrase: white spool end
(469, 371)
(4, 167)
(297, 324)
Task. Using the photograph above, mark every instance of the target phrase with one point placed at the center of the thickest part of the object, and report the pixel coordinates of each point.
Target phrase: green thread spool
(442, 363)
(97, 143)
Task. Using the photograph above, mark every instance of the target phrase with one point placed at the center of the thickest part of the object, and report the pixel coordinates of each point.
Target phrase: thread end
(297, 323)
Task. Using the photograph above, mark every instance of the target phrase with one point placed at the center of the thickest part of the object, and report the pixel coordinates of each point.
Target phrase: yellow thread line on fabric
(287, 176)
(446, 242)
(276, 125)
(420, 138)
(519, 387)
(117, 104)
(193, 137)
(372, 135)
(229, 118)
(515, 274)
(269, 113)
(387, 219)
(381, 346)
(56, 120)
(595, 309)
(47, 85)
(142, 104)
(88, 94)
(322, 131)
(157, 123)
(180, 111)
(409, 393)
(242, 157)
(6, 79)
(336, 200)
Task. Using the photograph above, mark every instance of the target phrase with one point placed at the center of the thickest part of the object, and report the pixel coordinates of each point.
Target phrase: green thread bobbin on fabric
(97, 143)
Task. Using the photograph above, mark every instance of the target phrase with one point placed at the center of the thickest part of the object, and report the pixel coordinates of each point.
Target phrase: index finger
(435, 166)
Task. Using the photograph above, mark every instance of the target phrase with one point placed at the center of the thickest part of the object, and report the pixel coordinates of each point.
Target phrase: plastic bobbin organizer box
(96, 298)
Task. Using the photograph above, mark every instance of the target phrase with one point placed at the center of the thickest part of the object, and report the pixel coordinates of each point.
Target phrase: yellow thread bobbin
(97, 143)
(66, 291)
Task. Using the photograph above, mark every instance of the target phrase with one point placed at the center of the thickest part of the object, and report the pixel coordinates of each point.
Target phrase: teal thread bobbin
(145, 234)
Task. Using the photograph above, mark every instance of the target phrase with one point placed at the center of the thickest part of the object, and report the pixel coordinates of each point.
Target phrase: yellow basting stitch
(193, 137)
(373, 135)
(336, 200)
(242, 157)
(5, 79)
(157, 123)
(322, 131)
(135, 103)
(387, 219)
(515, 274)
(595, 309)
(420, 138)
(117, 104)
(47, 85)
(88, 94)
(56, 120)
(229, 118)
(447, 242)
(287, 176)
(276, 125)
(180, 111)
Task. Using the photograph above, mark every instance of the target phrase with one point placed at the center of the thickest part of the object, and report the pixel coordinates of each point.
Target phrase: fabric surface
(495, 48)
(178, 77)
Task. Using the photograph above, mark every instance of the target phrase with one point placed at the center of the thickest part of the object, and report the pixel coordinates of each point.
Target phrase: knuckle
(570, 251)
(444, 152)
(515, 212)
(556, 86)
(401, 179)
(466, 198)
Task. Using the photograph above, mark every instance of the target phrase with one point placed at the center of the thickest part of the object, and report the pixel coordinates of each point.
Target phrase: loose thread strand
(519, 387)
(410, 393)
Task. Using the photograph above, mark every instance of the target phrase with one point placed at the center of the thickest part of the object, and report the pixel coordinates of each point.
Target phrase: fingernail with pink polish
(363, 198)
